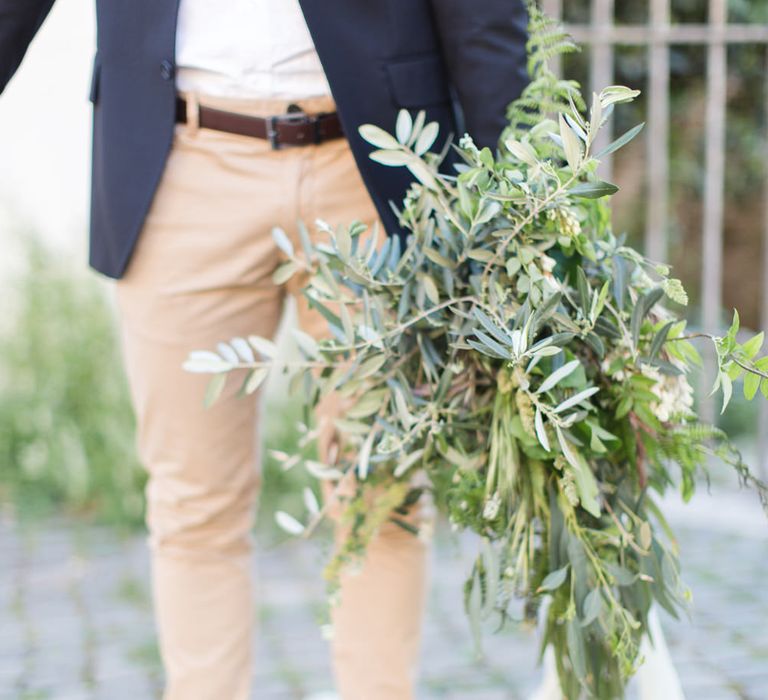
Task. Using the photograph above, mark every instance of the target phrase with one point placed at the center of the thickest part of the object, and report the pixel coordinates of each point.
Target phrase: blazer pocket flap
(417, 82)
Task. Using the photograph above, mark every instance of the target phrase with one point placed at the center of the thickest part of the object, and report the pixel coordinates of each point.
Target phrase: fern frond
(546, 40)
(546, 94)
(690, 445)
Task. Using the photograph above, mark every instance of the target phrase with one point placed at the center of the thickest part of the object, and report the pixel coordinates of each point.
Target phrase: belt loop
(193, 113)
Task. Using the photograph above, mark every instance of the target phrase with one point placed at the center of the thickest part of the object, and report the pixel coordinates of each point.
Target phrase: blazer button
(166, 70)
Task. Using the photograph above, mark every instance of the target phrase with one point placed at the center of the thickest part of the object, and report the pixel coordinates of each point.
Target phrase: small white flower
(492, 505)
(674, 394)
(547, 263)
(619, 375)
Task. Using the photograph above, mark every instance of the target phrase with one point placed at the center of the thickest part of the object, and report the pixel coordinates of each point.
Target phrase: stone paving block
(320, 684)
(61, 692)
(483, 694)
(274, 688)
(32, 692)
(127, 687)
(115, 662)
(9, 670)
(752, 676)
(744, 666)
(709, 691)
(62, 674)
(757, 689)
(278, 694)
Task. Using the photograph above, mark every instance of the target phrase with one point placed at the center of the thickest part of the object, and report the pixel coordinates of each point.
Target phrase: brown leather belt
(295, 128)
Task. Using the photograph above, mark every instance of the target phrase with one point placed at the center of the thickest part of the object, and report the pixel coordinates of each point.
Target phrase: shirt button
(166, 69)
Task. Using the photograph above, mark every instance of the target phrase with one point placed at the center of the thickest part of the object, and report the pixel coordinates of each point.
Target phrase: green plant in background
(522, 364)
(66, 426)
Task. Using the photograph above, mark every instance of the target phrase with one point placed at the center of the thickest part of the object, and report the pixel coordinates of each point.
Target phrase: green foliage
(519, 361)
(66, 425)
(739, 360)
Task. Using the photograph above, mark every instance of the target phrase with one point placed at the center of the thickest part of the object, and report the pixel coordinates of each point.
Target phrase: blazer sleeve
(484, 48)
(19, 22)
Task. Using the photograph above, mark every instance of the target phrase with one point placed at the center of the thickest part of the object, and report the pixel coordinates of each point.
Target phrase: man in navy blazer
(461, 61)
(212, 123)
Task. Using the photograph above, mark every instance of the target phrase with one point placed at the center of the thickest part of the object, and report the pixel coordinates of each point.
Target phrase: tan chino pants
(202, 273)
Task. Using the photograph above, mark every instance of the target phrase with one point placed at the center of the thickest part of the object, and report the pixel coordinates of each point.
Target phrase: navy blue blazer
(462, 61)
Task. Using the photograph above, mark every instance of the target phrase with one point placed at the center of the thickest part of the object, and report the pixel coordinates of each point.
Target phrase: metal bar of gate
(657, 200)
(642, 35)
(601, 70)
(762, 432)
(712, 231)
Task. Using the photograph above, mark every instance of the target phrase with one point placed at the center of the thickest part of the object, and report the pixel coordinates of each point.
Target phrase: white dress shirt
(247, 48)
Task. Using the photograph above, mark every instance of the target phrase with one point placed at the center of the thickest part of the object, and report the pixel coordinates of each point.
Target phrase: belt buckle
(318, 119)
(291, 117)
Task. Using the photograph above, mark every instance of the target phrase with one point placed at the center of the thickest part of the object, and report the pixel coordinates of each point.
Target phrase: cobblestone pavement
(75, 619)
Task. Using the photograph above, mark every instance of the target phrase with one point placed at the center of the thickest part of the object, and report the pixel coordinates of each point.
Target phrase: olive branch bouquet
(526, 363)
